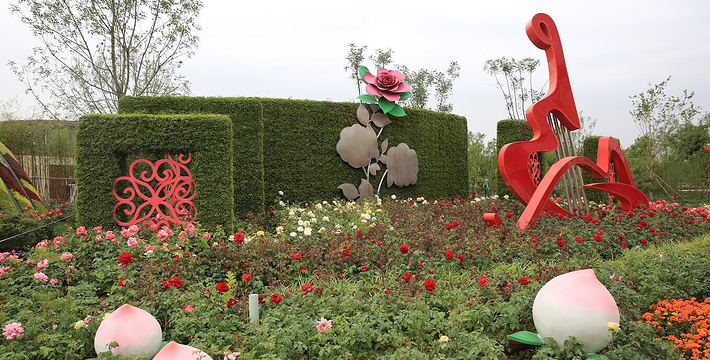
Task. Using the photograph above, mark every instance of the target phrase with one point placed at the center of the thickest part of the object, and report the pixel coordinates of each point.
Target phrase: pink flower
(66, 256)
(42, 264)
(189, 308)
(206, 236)
(41, 277)
(54, 281)
(132, 242)
(163, 235)
(323, 325)
(387, 83)
(13, 330)
(110, 236)
(231, 356)
(80, 231)
(4, 269)
(190, 229)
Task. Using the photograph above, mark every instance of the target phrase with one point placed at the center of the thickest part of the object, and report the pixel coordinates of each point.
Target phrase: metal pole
(551, 121)
(254, 308)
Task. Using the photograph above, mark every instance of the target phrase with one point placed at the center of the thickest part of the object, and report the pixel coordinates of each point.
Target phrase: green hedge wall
(289, 145)
(590, 146)
(105, 145)
(509, 131)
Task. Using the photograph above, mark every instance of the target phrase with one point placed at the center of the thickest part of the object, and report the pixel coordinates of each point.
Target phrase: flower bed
(382, 278)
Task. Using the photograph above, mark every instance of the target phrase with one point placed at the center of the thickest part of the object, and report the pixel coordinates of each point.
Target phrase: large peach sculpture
(175, 351)
(576, 304)
(135, 330)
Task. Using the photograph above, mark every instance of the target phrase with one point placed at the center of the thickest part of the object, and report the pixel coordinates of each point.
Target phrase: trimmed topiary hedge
(106, 144)
(289, 145)
(509, 131)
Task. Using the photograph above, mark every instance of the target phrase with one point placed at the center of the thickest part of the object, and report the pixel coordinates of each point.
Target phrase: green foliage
(289, 146)
(516, 90)
(590, 146)
(482, 161)
(508, 131)
(11, 225)
(107, 143)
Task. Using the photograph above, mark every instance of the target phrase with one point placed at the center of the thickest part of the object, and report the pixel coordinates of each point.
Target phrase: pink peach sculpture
(134, 330)
(175, 351)
(576, 304)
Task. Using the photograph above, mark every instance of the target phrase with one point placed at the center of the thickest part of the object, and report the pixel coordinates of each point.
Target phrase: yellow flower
(444, 338)
(612, 326)
(79, 324)
(260, 233)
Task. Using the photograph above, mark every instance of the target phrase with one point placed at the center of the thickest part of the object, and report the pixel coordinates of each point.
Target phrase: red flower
(560, 241)
(296, 256)
(222, 287)
(482, 281)
(176, 282)
(644, 241)
(319, 291)
(239, 237)
(346, 251)
(359, 234)
(578, 239)
(624, 244)
(363, 268)
(165, 285)
(231, 302)
(524, 280)
(387, 291)
(262, 298)
(429, 284)
(449, 254)
(121, 282)
(404, 248)
(306, 288)
(125, 258)
(597, 237)
(407, 276)
(276, 298)
(247, 277)
(508, 215)
(460, 256)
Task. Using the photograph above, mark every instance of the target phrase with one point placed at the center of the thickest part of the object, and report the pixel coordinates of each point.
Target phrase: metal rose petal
(374, 107)
(383, 158)
(384, 146)
(366, 189)
(349, 191)
(363, 116)
(374, 168)
(402, 165)
(358, 145)
(380, 119)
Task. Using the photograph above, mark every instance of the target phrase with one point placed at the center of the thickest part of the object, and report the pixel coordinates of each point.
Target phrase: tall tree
(514, 79)
(94, 52)
(482, 160)
(658, 116)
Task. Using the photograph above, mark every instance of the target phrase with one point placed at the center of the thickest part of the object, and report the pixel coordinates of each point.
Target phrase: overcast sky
(297, 49)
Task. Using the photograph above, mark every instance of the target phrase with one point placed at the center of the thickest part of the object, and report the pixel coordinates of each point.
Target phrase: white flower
(281, 193)
(293, 234)
(365, 216)
(279, 229)
(394, 196)
(612, 326)
(326, 219)
(148, 253)
(363, 221)
(307, 231)
(354, 227)
(311, 214)
(506, 197)
(313, 220)
(299, 229)
(477, 199)
(337, 226)
(282, 203)
(300, 222)
(306, 223)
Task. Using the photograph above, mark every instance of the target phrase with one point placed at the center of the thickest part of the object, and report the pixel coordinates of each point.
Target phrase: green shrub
(106, 144)
(589, 150)
(289, 145)
(11, 225)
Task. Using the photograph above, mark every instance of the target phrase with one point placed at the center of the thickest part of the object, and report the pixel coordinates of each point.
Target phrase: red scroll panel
(517, 161)
(165, 190)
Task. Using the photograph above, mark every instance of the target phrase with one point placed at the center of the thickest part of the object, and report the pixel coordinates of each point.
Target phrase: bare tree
(94, 52)
(516, 83)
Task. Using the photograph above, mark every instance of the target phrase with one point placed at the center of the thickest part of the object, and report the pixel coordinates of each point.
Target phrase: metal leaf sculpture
(402, 165)
(358, 145)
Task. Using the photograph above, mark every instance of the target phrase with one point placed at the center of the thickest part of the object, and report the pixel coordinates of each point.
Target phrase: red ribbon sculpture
(516, 161)
(170, 198)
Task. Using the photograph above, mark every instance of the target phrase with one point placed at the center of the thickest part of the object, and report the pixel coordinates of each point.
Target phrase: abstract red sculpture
(165, 190)
(518, 163)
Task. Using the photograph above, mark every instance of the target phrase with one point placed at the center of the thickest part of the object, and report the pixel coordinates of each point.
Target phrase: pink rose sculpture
(387, 83)
(135, 330)
(175, 351)
(576, 304)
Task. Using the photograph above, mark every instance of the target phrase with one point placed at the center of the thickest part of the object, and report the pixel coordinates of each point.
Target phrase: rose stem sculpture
(557, 109)
(358, 143)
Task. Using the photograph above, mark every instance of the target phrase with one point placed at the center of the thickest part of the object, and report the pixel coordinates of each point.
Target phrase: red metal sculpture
(517, 161)
(165, 190)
